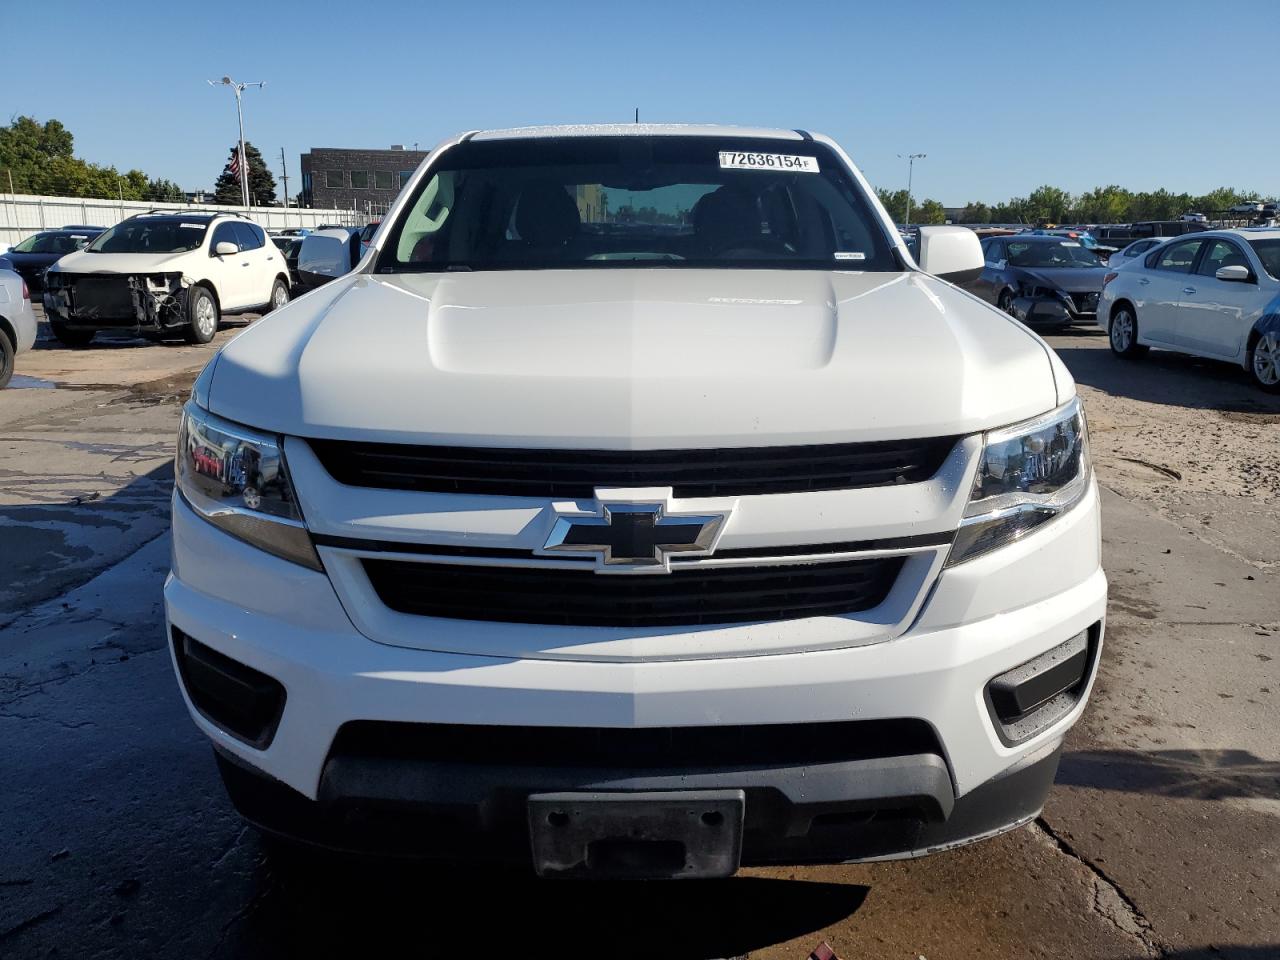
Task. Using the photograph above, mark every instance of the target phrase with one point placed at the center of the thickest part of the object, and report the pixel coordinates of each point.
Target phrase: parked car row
(1215, 295)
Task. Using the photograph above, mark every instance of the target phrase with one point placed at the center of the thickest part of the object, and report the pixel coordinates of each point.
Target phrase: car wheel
(71, 338)
(6, 361)
(202, 316)
(1005, 302)
(279, 295)
(1123, 334)
(1264, 361)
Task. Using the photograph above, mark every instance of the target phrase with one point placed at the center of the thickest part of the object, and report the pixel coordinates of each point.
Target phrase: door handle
(1144, 281)
(1188, 289)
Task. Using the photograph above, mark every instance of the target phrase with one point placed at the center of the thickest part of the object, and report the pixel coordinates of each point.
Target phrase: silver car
(1136, 249)
(17, 322)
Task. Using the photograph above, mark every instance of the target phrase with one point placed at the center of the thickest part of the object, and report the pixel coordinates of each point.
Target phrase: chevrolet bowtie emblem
(638, 535)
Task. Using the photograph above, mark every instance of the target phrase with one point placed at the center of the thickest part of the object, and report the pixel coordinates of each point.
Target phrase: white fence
(22, 215)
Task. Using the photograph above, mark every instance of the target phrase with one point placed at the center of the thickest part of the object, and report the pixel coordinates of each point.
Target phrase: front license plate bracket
(694, 834)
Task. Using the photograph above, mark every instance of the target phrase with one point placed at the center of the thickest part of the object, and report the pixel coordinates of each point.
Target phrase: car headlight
(1030, 473)
(237, 479)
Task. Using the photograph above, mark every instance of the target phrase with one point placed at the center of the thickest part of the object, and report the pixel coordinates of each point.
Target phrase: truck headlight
(1030, 473)
(237, 479)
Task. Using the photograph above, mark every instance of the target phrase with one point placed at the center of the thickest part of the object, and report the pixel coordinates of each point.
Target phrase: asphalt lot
(1161, 839)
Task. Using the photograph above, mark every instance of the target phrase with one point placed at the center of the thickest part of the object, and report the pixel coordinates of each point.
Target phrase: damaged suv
(638, 505)
(163, 275)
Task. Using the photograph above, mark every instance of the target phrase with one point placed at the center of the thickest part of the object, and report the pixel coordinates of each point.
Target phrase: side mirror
(326, 255)
(1234, 274)
(953, 254)
(225, 249)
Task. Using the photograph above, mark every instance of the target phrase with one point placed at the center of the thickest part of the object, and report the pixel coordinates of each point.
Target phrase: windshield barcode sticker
(850, 255)
(732, 160)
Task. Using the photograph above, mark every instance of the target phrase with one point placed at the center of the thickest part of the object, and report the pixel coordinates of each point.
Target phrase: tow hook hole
(713, 818)
(558, 818)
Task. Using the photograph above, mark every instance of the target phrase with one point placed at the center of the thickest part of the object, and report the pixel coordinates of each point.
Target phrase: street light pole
(239, 88)
(911, 159)
(284, 174)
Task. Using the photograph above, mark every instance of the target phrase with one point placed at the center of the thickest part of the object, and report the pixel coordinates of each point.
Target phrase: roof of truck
(639, 130)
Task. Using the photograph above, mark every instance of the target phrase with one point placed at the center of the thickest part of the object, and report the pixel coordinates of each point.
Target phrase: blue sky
(1002, 96)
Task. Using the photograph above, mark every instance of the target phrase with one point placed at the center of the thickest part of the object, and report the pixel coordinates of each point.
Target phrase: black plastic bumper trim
(237, 699)
(861, 810)
(1024, 702)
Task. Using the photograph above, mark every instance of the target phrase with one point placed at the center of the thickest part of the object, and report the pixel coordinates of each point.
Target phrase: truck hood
(635, 359)
(84, 262)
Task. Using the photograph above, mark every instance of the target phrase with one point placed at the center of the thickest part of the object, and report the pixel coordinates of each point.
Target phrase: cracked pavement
(1161, 838)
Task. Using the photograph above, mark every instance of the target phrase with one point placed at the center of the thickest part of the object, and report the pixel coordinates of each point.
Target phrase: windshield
(1060, 253)
(637, 201)
(51, 243)
(1268, 252)
(151, 235)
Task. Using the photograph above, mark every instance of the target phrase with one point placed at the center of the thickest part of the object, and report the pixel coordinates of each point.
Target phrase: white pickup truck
(638, 506)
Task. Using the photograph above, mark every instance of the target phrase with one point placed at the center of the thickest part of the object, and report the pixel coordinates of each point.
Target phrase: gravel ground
(1192, 438)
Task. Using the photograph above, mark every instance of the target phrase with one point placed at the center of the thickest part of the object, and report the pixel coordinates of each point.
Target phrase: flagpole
(244, 169)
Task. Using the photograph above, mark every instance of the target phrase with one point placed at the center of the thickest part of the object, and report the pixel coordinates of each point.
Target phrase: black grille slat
(585, 598)
(637, 747)
(576, 473)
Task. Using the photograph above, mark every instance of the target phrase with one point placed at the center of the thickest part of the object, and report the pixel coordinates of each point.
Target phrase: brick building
(368, 180)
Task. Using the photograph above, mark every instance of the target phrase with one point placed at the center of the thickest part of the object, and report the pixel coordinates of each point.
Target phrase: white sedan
(1214, 294)
(1134, 250)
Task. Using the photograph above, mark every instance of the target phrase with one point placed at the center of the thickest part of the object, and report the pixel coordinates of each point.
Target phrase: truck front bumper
(884, 750)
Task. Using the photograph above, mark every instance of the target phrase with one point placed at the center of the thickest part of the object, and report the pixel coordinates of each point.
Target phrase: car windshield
(50, 243)
(637, 201)
(1054, 253)
(151, 235)
(1268, 252)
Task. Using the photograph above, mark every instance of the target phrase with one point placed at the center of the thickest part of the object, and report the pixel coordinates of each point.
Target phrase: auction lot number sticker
(733, 160)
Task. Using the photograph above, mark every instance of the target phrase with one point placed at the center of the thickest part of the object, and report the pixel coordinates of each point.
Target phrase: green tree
(165, 191)
(975, 213)
(928, 211)
(1049, 204)
(895, 203)
(262, 185)
(1223, 198)
(40, 158)
(1015, 210)
(27, 146)
(1109, 204)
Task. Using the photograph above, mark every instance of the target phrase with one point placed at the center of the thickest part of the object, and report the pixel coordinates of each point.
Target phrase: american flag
(235, 162)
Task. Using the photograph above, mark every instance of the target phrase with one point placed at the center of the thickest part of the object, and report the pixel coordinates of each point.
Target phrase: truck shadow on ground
(321, 907)
(1196, 774)
(1163, 377)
